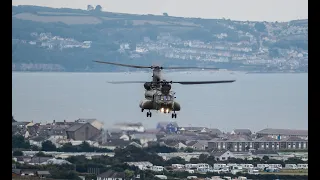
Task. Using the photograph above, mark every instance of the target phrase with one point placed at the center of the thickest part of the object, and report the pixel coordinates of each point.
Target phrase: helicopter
(158, 93)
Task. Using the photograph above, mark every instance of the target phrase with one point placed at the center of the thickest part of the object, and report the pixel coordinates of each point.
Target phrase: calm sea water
(254, 101)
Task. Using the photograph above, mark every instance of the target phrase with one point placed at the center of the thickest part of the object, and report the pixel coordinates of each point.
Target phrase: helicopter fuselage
(156, 100)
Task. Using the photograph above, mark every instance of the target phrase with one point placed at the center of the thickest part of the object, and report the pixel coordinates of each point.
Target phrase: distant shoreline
(246, 72)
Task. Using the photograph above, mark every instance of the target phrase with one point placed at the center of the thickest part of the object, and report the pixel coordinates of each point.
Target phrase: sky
(243, 10)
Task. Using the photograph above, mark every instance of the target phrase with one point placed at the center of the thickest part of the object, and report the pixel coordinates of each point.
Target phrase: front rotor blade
(191, 68)
(203, 82)
(125, 65)
(125, 82)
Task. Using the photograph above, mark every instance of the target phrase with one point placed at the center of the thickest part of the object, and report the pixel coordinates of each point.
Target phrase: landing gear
(142, 110)
(174, 115)
(149, 114)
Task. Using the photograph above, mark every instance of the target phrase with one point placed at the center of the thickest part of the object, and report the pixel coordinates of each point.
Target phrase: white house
(125, 137)
(144, 138)
(223, 155)
(111, 175)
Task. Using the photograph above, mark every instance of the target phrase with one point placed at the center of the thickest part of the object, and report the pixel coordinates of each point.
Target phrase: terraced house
(275, 140)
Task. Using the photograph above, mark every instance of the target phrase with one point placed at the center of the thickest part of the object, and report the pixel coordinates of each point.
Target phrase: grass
(65, 19)
(288, 172)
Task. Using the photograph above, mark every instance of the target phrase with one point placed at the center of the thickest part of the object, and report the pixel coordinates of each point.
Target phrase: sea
(253, 101)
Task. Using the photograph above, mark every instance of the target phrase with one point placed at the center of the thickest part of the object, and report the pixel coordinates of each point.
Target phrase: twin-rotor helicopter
(158, 93)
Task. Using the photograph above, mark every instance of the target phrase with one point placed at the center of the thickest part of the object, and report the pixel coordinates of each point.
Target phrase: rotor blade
(190, 68)
(203, 82)
(126, 82)
(125, 65)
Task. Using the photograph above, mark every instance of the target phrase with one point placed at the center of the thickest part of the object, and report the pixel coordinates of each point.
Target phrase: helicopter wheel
(173, 115)
(142, 110)
(149, 114)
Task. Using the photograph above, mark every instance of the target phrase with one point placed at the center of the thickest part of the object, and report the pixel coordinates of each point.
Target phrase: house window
(223, 158)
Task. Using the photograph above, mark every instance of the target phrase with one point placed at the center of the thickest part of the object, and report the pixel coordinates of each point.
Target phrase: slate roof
(242, 131)
(218, 153)
(176, 137)
(215, 131)
(293, 139)
(39, 159)
(76, 126)
(144, 136)
(239, 138)
(265, 138)
(191, 143)
(283, 132)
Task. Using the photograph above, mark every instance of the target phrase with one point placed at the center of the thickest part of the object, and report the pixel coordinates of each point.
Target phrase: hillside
(48, 39)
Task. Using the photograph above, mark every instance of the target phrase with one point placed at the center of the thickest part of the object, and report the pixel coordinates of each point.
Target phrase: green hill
(48, 39)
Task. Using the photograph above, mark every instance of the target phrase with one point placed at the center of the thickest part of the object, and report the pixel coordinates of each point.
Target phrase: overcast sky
(254, 10)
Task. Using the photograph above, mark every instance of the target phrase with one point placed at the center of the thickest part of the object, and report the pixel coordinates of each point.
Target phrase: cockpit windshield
(165, 98)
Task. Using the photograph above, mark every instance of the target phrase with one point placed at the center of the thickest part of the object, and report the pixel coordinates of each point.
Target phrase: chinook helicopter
(158, 93)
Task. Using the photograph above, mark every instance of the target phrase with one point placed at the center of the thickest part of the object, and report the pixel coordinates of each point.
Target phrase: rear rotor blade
(125, 65)
(203, 82)
(190, 68)
(126, 82)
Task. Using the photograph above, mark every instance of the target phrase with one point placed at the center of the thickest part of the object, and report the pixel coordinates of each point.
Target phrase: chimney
(54, 121)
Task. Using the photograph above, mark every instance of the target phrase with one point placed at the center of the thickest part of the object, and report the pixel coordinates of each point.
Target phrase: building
(94, 122)
(242, 132)
(244, 143)
(141, 165)
(222, 155)
(198, 145)
(168, 127)
(111, 175)
(144, 138)
(82, 132)
(283, 133)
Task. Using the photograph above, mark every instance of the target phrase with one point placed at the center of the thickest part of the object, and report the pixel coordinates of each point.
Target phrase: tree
(129, 173)
(294, 160)
(98, 8)
(17, 153)
(194, 161)
(260, 27)
(265, 158)
(90, 8)
(203, 158)
(211, 160)
(18, 141)
(48, 146)
(189, 150)
(165, 14)
(175, 160)
(42, 154)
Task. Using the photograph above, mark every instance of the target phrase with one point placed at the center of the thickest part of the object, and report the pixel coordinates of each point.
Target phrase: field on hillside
(288, 172)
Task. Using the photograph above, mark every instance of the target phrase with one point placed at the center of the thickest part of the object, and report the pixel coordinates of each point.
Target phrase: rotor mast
(156, 74)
